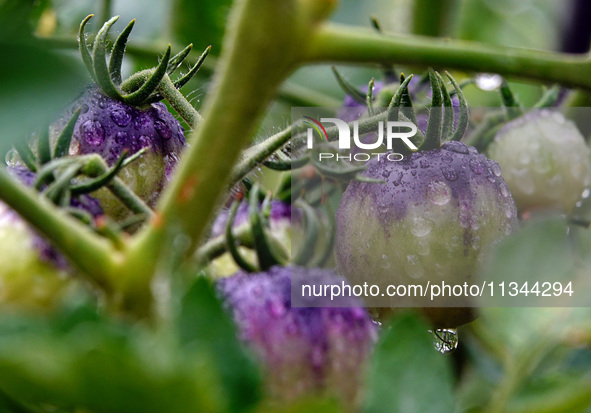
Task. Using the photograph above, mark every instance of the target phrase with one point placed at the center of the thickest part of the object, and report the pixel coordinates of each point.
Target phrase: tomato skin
(544, 160)
(304, 351)
(432, 220)
(108, 127)
(34, 275)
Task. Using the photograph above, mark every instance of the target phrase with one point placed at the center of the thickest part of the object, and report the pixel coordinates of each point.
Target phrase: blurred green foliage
(80, 358)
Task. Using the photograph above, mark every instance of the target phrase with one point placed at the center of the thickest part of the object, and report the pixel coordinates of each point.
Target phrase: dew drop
(476, 242)
(504, 190)
(488, 81)
(456, 146)
(585, 194)
(474, 222)
(145, 141)
(163, 129)
(120, 117)
(122, 138)
(413, 268)
(424, 163)
(74, 147)
(93, 132)
(449, 173)
(496, 169)
(11, 157)
(447, 159)
(445, 340)
(423, 246)
(385, 264)
(84, 108)
(141, 121)
(398, 179)
(509, 211)
(438, 192)
(476, 166)
(421, 226)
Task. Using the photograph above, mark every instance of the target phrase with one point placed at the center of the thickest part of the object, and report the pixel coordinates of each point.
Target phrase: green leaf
(406, 373)
(204, 325)
(541, 251)
(36, 85)
(79, 359)
(201, 22)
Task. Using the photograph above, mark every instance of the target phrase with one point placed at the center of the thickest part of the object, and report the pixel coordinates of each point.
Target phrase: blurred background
(532, 359)
(540, 24)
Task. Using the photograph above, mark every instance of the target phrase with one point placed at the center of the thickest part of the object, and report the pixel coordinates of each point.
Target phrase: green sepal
(26, 154)
(375, 23)
(287, 165)
(179, 83)
(464, 111)
(117, 53)
(143, 93)
(82, 46)
(349, 88)
(369, 97)
(448, 112)
(312, 228)
(433, 135)
(406, 106)
(56, 191)
(176, 60)
(231, 241)
(263, 249)
(549, 98)
(43, 147)
(102, 180)
(510, 101)
(45, 172)
(323, 258)
(99, 61)
(401, 99)
(64, 140)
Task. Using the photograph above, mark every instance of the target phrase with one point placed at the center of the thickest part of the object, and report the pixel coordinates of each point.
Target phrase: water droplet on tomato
(93, 132)
(445, 340)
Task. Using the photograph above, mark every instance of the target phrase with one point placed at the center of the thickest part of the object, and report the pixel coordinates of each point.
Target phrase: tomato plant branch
(255, 155)
(345, 44)
(89, 252)
(251, 68)
(178, 101)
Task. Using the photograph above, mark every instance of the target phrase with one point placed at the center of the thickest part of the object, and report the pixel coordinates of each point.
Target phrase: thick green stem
(344, 44)
(430, 16)
(179, 102)
(251, 68)
(93, 255)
